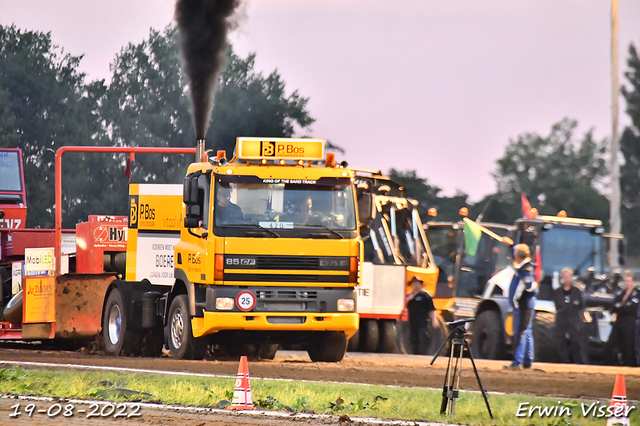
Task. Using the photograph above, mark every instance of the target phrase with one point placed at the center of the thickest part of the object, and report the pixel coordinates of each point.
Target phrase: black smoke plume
(203, 26)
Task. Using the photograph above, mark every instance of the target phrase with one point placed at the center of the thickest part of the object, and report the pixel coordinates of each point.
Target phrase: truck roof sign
(280, 148)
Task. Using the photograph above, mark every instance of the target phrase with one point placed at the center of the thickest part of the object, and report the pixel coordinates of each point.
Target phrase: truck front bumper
(213, 322)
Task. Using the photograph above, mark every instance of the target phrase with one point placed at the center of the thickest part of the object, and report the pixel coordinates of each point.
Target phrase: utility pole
(614, 212)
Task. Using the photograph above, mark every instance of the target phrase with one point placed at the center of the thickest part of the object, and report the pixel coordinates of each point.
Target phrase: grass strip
(322, 398)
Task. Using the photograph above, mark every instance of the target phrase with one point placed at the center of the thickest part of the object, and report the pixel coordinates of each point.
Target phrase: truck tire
(13, 311)
(329, 346)
(488, 339)
(543, 337)
(369, 335)
(5, 288)
(182, 344)
(354, 341)
(118, 340)
(402, 330)
(388, 337)
(437, 337)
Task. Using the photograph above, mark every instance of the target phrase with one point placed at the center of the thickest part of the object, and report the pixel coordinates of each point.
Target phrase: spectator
(522, 297)
(421, 310)
(623, 332)
(569, 303)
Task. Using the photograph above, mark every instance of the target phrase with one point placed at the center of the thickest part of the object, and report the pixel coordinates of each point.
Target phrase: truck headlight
(346, 305)
(224, 303)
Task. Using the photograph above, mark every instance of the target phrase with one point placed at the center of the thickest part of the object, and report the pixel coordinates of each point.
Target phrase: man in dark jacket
(522, 297)
(569, 303)
(623, 332)
(421, 311)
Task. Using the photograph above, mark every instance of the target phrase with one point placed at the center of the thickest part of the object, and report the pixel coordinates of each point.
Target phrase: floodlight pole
(614, 210)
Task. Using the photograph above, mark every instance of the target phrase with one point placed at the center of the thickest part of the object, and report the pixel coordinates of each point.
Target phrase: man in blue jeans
(522, 297)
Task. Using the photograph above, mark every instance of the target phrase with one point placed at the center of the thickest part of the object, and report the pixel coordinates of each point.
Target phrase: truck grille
(286, 294)
(287, 278)
(307, 263)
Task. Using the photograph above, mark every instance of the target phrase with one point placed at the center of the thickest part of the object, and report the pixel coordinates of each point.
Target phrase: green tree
(630, 147)
(555, 172)
(147, 104)
(44, 104)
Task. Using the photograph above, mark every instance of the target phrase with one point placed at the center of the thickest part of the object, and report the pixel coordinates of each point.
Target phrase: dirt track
(555, 380)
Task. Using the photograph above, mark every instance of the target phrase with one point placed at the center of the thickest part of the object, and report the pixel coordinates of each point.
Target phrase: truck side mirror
(364, 207)
(621, 260)
(190, 189)
(193, 198)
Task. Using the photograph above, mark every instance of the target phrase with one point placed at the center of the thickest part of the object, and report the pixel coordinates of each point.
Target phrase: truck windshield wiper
(325, 227)
(255, 225)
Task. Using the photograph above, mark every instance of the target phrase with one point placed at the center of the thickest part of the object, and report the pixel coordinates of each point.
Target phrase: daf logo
(335, 263)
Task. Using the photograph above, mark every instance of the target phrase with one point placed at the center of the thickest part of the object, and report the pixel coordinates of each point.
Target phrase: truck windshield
(488, 258)
(444, 241)
(10, 177)
(576, 248)
(326, 203)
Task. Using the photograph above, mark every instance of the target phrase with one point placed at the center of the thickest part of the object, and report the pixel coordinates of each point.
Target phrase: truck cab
(267, 252)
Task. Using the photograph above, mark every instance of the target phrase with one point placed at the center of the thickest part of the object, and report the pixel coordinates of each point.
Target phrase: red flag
(526, 207)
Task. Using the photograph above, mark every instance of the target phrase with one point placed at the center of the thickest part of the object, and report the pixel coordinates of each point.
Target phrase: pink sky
(439, 86)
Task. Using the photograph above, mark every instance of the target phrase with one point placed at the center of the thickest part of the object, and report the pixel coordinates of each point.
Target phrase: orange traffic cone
(242, 393)
(619, 402)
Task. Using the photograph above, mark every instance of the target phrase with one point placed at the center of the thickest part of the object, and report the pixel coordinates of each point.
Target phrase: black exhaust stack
(203, 27)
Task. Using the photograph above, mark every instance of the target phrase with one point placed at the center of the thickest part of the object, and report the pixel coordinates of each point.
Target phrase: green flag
(472, 234)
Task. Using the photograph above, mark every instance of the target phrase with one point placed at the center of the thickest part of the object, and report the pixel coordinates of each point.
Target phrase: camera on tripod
(451, 388)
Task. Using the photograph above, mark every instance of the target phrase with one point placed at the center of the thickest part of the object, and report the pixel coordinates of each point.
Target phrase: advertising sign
(39, 262)
(154, 257)
(280, 148)
(39, 299)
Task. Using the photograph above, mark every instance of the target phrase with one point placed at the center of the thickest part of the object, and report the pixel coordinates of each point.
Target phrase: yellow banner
(280, 148)
(39, 299)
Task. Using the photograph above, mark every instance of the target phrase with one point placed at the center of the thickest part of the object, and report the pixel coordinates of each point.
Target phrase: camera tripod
(451, 388)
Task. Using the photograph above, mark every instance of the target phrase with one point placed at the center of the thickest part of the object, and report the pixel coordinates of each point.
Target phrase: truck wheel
(180, 340)
(329, 346)
(487, 341)
(13, 311)
(402, 330)
(117, 339)
(354, 340)
(388, 337)
(437, 336)
(543, 337)
(369, 335)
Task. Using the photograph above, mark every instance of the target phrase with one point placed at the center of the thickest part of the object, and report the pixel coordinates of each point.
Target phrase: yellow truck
(246, 255)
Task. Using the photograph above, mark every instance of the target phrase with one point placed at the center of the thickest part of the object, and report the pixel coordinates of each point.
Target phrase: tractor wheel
(329, 346)
(118, 340)
(488, 340)
(182, 344)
